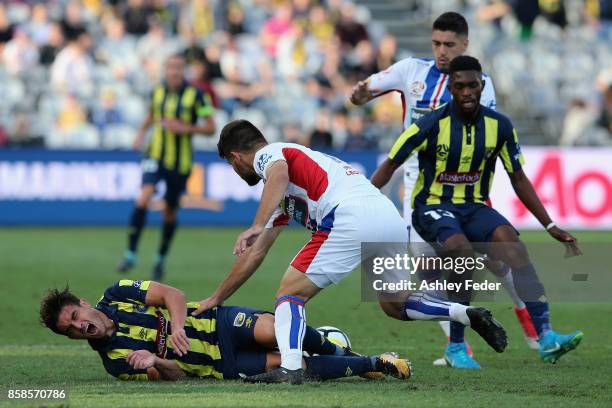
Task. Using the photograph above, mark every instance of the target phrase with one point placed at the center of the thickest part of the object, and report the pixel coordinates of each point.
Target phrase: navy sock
(329, 367)
(540, 316)
(168, 230)
(531, 291)
(457, 330)
(315, 343)
(137, 222)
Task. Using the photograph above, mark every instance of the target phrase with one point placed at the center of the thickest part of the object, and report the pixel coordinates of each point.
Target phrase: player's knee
(392, 309)
(457, 245)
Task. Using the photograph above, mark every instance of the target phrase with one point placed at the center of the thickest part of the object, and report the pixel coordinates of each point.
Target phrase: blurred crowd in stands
(78, 74)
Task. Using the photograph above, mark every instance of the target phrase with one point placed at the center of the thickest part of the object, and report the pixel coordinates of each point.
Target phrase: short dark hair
(52, 305)
(239, 136)
(463, 63)
(451, 21)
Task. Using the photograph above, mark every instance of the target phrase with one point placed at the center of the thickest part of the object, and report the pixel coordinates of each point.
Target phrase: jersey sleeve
(115, 364)
(203, 105)
(394, 78)
(413, 139)
(127, 290)
(488, 93)
(264, 159)
(510, 153)
(278, 219)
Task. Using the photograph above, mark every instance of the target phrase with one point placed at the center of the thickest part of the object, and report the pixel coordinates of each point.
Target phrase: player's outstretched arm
(174, 300)
(243, 268)
(277, 182)
(526, 193)
(383, 173)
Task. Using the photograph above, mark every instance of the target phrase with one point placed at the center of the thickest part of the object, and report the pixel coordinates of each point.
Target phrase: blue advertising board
(68, 187)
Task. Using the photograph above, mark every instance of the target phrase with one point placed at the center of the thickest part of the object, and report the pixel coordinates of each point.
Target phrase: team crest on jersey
(263, 160)
(137, 284)
(239, 319)
(417, 88)
(441, 151)
(466, 160)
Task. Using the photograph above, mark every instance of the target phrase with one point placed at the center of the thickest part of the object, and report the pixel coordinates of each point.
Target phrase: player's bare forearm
(146, 124)
(526, 193)
(171, 298)
(207, 128)
(273, 192)
(383, 173)
(246, 264)
(169, 370)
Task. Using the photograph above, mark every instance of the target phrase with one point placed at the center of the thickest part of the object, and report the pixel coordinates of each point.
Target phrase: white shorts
(335, 249)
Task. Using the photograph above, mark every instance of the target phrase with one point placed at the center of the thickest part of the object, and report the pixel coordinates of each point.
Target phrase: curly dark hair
(52, 305)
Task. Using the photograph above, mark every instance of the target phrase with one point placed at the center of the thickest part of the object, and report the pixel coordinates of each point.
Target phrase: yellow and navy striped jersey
(142, 327)
(174, 151)
(457, 159)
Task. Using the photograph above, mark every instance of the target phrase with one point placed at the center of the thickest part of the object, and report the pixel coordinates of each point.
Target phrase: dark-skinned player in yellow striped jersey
(458, 145)
(144, 330)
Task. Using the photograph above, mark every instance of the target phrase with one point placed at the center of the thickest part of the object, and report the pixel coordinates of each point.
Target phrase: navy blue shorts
(239, 351)
(153, 172)
(436, 223)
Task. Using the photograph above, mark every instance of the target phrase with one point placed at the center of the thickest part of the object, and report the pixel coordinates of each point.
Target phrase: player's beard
(251, 179)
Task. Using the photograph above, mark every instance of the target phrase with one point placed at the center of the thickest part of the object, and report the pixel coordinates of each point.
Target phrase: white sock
(507, 282)
(445, 325)
(290, 327)
(458, 313)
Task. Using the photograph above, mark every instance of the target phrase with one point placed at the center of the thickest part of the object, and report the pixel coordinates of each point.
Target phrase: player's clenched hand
(361, 94)
(176, 126)
(180, 341)
(205, 305)
(246, 239)
(570, 242)
(141, 359)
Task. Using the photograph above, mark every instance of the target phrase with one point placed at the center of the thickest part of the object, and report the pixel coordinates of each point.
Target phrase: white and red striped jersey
(317, 183)
(422, 87)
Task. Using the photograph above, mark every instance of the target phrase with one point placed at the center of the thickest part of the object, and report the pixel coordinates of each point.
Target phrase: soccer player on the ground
(458, 146)
(177, 112)
(342, 209)
(144, 331)
(422, 84)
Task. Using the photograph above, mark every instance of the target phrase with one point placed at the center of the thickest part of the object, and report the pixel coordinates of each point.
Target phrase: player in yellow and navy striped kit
(144, 330)
(458, 146)
(178, 111)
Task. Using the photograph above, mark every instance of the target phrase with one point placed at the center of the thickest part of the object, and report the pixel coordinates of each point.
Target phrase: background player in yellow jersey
(458, 146)
(145, 331)
(177, 112)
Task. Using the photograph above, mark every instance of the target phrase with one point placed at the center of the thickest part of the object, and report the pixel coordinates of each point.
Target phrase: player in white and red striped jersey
(422, 85)
(343, 210)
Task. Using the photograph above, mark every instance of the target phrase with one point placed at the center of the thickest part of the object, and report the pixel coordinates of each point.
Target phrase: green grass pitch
(31, 357)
